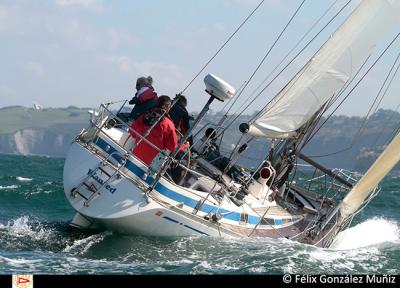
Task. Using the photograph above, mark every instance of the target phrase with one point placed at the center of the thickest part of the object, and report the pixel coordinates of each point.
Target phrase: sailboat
(111, 189)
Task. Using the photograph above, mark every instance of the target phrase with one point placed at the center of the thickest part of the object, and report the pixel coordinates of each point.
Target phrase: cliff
(344, 142)
(42, 132)
(40, 141)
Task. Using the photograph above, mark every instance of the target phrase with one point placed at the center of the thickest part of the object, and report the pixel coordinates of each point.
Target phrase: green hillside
(16, 118)
(344, 142)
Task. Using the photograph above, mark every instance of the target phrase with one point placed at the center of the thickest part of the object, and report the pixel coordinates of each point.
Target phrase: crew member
(145, 97)
(162, 135)
(180, 115)
(181, 118)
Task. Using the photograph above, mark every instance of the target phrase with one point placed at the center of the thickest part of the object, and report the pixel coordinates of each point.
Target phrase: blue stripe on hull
(162, 189)
(187, 226)
(170, 219)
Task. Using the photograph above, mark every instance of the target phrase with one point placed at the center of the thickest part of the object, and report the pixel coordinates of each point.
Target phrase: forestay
(336, 62)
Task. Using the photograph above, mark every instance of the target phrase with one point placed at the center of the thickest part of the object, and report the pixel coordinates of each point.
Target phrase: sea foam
(19, 178)
(8, 187)
(83, 245)
(370, 232)
(21, 227)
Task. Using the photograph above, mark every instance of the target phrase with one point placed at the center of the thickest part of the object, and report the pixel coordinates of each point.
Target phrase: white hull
(169, 210)
(128, 210)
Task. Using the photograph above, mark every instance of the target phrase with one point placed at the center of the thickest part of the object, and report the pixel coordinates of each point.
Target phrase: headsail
(329, 69)
(386, 161)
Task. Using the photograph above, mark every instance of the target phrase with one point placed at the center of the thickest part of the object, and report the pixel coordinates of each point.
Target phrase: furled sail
(340, 57)
(360, 192)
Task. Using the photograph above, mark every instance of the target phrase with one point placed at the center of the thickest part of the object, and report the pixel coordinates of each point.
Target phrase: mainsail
(336, 62)
(360, 192)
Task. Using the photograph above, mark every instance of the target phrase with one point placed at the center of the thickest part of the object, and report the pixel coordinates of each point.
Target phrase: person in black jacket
(180, 115)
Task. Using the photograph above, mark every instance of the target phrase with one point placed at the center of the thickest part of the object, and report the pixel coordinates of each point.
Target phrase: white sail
(336, 62)
(386, 161)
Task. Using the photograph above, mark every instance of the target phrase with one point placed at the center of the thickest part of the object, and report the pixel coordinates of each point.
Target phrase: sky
(58, 53)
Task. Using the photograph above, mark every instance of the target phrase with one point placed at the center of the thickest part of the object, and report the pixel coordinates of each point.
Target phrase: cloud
(168, 76)
(63, 29)
(116, 38)
(127, 65)
(123, 63)
(78, 34)
(91, 4)
(256, 2)
(35, 68)
(9, 20)
(248, 2)
(6, 92)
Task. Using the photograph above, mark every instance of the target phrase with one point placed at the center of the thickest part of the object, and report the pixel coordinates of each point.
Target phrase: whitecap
(20, 260)
(20, 227)
(19, 178)
(205, 264)
(258, 270)
(9, 187)
(370, 232)
(38, 191)
(83, 245)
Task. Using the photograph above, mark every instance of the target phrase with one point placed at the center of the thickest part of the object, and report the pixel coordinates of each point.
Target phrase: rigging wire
(223, 118)
(329, 104)
(284, 68)
(223, 45)
(387, 87)
(286, 56)
(347, 85)
(384, 128)
(268, 52)
(348, 94)
(256, 70)
(356, 85)
(295, 57)
(313, 125)
(394, 133)
(376, 98)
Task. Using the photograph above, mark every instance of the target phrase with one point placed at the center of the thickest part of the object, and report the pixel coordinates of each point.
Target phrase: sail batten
(328, 71)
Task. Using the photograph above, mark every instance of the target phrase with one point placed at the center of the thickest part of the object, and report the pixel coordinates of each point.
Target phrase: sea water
(34, 238)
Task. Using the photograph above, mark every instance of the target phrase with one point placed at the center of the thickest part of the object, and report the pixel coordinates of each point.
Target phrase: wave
(22, 228)
(19, 261)
(108, 252)
(9, 187)
(81, 246)
(26, 231)
(368, 233)
(26, 239)
(19, 178)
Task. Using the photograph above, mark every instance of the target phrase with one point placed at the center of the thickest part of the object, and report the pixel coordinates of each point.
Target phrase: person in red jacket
(162, 135)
